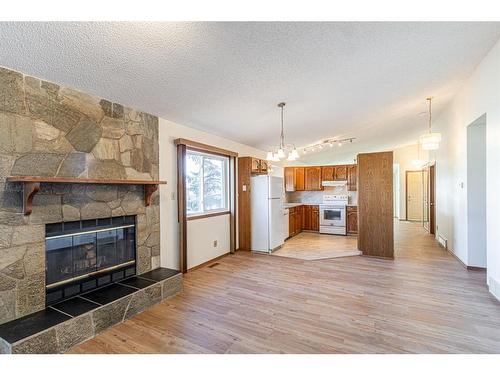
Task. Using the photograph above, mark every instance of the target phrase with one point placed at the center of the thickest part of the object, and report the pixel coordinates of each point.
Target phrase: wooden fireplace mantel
(31, 186)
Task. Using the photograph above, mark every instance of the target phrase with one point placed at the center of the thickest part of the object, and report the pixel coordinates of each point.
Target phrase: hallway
(422, 302)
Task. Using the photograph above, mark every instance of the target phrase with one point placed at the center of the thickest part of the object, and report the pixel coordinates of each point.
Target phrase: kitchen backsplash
(317, 196)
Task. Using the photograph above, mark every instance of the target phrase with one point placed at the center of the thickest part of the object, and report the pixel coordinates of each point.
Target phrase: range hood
(333, 183)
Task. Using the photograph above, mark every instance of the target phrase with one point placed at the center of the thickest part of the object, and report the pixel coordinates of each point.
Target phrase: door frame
(432, 199)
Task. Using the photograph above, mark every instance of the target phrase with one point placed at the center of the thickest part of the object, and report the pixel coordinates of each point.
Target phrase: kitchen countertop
(290, 205)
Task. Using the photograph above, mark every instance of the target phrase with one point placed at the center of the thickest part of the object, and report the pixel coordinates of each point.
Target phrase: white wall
(202, 232)
(479, 95)
(404, 158)
(201, 236)
(476, 193)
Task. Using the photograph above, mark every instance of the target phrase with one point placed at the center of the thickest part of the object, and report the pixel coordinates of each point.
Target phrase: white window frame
(225, 185)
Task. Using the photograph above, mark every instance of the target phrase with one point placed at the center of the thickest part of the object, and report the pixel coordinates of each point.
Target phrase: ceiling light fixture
(283, 150)
(323, 144)
(430, 141)
(418, 163)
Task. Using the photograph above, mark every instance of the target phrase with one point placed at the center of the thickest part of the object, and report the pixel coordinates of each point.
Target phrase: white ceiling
(364, 80)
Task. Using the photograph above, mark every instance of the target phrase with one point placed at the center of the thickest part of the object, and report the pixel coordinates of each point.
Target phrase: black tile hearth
(109, 293)
(159, 274)
(26, 326)
(137, 282)
(67, 323)
(76, 306)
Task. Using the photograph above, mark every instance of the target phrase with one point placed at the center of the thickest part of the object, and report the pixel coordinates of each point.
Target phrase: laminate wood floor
(422, 302)
(314, 246)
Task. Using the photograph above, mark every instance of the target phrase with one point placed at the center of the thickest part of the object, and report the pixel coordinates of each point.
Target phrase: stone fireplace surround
(49, 130)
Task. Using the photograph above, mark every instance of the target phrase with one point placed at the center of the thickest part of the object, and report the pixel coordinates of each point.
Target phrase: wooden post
(375, 204)
(181, 206)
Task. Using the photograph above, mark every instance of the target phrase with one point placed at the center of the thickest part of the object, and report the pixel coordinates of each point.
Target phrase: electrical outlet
(215, 243)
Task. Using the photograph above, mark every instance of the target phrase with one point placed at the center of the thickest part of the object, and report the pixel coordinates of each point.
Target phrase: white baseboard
(494, 287)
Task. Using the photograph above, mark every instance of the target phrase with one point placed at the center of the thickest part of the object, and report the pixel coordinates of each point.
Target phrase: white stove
(332, 214)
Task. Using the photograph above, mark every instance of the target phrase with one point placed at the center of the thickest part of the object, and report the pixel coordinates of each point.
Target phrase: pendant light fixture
(283, 150)
(430, 141)
(418, 162)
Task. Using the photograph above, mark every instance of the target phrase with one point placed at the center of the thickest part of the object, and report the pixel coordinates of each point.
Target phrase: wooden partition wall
(375, 204)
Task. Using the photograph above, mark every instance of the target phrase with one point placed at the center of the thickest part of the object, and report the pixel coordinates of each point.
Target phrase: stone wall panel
(50, 130)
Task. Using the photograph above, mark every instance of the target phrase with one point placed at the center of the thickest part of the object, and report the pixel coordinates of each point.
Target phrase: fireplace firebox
(88, 254)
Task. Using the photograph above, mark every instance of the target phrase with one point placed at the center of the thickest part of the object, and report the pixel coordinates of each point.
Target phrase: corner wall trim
(470, 268)
(494, 287)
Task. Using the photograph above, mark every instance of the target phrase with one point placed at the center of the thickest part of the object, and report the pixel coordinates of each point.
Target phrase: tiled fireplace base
(60, 327)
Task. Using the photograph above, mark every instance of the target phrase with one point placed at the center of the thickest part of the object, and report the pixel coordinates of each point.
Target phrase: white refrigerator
(267, 213)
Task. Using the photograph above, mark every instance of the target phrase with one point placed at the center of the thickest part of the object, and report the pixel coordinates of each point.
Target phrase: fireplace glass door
(83, 251)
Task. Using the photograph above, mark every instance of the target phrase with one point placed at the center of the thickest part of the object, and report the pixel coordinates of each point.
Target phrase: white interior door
(414, 196)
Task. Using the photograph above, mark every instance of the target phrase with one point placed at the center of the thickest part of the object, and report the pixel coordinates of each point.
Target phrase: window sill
(204, 216)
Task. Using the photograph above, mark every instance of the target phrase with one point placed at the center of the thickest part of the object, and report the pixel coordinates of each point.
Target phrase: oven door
(332, 216)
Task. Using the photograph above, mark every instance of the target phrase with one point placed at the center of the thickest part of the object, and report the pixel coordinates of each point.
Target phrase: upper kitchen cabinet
(289, 179)
(263, 166)
(328, 173)
(312, 178)
(299, 178)
(259, 166)
(352, 178)
(340, 173)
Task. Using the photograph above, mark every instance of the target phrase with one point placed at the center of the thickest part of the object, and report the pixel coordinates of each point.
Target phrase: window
(207, 183)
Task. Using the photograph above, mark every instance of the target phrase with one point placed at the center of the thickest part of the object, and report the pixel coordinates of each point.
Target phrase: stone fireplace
(55, 131)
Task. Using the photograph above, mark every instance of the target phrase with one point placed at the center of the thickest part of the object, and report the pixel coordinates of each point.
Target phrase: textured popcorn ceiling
(366, 80)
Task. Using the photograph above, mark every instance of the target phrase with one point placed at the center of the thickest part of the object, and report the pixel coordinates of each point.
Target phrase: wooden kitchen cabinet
(263, 166)
(299, 178)
(306, 218)
(315, 218)
(289, 179)
(340, 173)
(299, 214)
(258, 166)
(255, 163)
(352, 220)
(328, 173)
(310, 218)
(312, 178)
(295, 217)
(352, 178)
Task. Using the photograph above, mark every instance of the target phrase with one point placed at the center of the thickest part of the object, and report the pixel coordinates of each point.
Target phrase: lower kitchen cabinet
(315, 218)
(301, 218)
(295, 220)
(310, 220)
(306, 219)
(352, 220)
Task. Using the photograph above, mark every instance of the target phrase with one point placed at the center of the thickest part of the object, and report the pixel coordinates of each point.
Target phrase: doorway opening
(476, 193)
